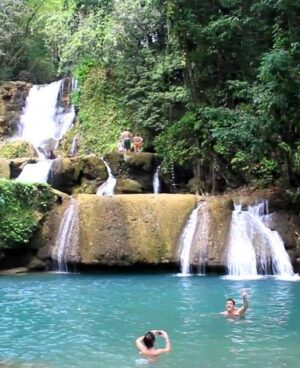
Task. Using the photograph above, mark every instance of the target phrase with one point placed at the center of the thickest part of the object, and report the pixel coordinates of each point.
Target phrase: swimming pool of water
(72, 321)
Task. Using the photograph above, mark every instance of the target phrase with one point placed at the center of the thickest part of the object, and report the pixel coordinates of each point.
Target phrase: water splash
(254, 250)
(108, 187)
(67, 239)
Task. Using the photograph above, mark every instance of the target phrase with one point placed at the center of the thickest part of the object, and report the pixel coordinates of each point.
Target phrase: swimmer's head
(230, 304)
(149, 339)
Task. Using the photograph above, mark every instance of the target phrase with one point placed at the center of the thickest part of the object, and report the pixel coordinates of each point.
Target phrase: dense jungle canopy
(213, 86)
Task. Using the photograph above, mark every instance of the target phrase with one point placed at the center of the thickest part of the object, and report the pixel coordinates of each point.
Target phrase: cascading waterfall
(43, 123)
(108, 187)
(186, 242)
(253, 249)
(67, 238)
(156, 181)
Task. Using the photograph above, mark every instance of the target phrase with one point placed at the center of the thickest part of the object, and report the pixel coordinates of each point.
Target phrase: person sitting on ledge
(145, 344)
(232, 310)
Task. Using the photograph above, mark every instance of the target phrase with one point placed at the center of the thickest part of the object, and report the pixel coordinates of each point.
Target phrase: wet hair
(149, 339)
(231, 300)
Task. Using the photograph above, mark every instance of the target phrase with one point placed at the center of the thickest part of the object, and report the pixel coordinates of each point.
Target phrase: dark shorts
(127, 143)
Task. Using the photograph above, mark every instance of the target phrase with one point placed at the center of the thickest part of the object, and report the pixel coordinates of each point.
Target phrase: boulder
(81, 174)
(4, 169)
(137, 167)
(128, 186)
(16, 149)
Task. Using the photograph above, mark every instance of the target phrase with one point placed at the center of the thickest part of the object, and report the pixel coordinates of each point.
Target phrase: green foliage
(21, 208)
(212, 86)
(13, 151)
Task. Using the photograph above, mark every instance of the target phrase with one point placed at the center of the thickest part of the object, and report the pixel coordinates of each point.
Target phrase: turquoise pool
(72, 321)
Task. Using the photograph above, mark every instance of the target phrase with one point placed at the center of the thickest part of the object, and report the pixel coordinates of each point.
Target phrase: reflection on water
(75, 321)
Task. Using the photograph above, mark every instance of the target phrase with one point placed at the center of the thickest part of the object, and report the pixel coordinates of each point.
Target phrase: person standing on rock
(145, 345)
(232, 310)
(137, 143)
(126, 139)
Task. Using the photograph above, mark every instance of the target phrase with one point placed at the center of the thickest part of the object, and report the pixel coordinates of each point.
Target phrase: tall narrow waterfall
(254, 250)
(186, 242)
(156, 181)
(43, 123)
(67, 238)
(108, 187)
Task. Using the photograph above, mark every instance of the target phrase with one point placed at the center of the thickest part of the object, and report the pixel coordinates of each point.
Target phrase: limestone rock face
(4, 169)
(214, 217)
(17, 149)
(12, 100)
(139, 168)
(132, 229)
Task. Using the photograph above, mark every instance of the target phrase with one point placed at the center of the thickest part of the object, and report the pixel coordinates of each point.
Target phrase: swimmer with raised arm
(145, 344)
(232, 310)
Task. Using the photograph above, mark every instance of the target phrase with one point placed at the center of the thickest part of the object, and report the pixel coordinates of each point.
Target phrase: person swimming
(232, 310)
(145, 344)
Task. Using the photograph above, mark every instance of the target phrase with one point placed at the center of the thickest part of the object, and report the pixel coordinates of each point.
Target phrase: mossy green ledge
(126, 230)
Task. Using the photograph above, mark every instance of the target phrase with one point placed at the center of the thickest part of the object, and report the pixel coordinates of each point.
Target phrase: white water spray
(108, 187)
(254, 250)
(156, 181)
(43, 124)
(67, 238)
(186, 242)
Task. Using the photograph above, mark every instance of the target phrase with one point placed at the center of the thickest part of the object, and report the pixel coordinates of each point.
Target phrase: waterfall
(74, 146)
(67, 238)
(43, 123)
(156, 182)
(108, 187)
(186, 242)
(253, 249)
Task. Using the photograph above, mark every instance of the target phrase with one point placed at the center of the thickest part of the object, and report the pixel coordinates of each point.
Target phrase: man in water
(232, 310)
(145, 344)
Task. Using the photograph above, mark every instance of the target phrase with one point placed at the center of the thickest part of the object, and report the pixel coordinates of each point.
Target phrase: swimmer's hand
(244, 293)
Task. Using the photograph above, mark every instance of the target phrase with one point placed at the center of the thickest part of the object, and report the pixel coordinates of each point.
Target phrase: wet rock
(12, 100)
(14, 271)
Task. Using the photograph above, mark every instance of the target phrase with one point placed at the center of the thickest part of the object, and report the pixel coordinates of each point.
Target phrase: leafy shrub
(21, 208)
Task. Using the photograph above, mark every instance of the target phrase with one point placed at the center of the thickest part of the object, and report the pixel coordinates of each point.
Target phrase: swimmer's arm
(245, 303)
(140, 345)
(168, 347)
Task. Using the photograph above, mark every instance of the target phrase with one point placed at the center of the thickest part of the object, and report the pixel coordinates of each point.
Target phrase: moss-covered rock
(80, 174)
(132, 229)
(22, 209)
(17, 149)
(12, 100)
(128, 186)
(4, 168)
(139, 168)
